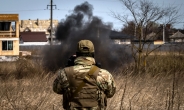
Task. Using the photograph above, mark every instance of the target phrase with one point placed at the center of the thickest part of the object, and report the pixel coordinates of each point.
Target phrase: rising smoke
(81, 24)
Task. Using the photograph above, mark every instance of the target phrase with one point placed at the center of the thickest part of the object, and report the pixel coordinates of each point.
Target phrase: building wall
(10, 37)
(14, 52)
(122, 41)
(158, 42)
(34, 43)
(177, 40)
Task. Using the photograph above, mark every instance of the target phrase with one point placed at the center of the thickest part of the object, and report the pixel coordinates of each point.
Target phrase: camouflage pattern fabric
(85, 46)
(105, 80)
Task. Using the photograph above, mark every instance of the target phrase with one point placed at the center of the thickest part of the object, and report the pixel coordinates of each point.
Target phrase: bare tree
(144, 14)
(131, 29)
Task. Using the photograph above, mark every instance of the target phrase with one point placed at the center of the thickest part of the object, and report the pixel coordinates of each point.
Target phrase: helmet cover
(85, 46)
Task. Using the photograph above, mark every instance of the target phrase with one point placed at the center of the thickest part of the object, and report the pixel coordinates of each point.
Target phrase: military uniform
(102, 85)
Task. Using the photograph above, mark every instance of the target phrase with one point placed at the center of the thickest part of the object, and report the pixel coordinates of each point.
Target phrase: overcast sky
(33, 9)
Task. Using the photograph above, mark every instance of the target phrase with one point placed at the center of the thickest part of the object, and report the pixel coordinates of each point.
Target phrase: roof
(151, 36)
(37, 25)
(9, 17)
(178, 34)
(33, 36)
(119, 35)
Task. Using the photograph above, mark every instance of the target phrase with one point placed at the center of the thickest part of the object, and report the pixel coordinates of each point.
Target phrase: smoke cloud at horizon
(81, 24)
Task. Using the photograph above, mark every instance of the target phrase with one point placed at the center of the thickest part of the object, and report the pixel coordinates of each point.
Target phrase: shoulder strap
(93, 72)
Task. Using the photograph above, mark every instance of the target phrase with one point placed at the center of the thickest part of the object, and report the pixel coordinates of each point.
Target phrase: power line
(23, 10)
(46, 9)
(51, 12)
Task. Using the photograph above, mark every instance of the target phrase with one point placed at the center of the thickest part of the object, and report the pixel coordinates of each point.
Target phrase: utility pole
(51, 24)
(163, 33)
(98, 33)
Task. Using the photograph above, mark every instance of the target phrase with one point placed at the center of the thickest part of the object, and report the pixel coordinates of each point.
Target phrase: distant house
(177, 37)
(39, 26)
(120, 38)
(153, 38)
(33, 38)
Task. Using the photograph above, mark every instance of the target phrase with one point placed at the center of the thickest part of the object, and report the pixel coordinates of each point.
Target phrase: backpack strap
(92, 73)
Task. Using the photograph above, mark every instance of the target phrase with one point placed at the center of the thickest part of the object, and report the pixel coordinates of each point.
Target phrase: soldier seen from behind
(84, 86)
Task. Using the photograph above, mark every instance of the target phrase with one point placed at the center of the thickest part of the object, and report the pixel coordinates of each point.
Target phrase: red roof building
(33, 37)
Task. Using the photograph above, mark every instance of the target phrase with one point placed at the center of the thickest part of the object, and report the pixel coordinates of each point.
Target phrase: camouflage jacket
(104, 79)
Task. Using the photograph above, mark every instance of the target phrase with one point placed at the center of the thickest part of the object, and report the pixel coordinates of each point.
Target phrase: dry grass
(26, 86)
(148, 93)
(28, 94)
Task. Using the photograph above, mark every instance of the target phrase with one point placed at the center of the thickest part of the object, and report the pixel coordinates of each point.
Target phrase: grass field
(25, 85)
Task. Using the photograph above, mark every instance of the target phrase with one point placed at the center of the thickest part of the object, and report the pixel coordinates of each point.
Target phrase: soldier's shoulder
(59, 71)
(104, 71)
(68, 68)
(104, 75)
(62, 70)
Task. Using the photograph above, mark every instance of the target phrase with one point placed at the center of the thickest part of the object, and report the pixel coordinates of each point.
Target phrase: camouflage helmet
(85, 46)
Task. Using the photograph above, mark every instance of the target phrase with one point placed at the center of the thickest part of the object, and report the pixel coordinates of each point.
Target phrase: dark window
(7, 45)
(5, 26)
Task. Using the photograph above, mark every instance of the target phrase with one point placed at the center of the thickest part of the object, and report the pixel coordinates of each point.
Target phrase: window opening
(5, 26)
(7, 45)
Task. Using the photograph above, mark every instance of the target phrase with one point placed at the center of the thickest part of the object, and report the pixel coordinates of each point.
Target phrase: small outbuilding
(177, 37)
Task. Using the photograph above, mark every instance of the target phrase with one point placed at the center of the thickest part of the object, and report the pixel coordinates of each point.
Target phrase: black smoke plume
(81, 24)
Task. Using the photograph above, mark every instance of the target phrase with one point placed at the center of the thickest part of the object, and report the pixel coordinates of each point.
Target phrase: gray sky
(33, 9)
